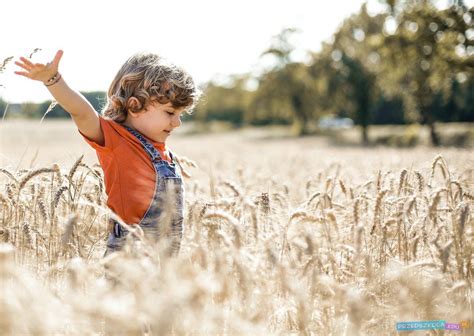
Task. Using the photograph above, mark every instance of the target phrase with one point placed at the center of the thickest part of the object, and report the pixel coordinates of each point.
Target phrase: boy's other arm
(81, 111)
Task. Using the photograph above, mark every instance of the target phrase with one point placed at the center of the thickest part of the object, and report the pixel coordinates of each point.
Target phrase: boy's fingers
(26, 61)
(21, 65)
(21, 73)
(57, 58)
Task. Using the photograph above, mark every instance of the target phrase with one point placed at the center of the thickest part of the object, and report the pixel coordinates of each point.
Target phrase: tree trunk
(365, 134)
(434, 135)
(427, 116)
(300, 126)
(301, 119)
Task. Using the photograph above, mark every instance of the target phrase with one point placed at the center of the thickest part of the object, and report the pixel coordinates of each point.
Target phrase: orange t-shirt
(129, 175)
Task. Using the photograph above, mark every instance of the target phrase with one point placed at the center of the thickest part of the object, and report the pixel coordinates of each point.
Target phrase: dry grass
(281, 236)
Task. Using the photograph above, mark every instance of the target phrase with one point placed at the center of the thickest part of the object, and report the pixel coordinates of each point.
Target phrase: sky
(209, 38)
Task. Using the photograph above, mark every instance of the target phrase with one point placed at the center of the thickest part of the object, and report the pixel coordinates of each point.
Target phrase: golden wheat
(265, 250)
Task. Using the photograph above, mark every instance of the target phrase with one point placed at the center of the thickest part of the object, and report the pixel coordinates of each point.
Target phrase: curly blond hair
(148, 78)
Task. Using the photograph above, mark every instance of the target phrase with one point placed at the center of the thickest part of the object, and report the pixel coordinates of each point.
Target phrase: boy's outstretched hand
(38, 71)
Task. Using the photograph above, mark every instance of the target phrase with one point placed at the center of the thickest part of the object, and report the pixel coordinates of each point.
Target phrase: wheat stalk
(31, 175)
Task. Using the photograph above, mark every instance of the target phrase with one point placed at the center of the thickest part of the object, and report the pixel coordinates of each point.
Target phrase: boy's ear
(133, 105)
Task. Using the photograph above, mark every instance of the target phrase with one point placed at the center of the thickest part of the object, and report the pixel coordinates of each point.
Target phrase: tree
(351, 72)
(423, 56)
(287, 90)
(225, 102)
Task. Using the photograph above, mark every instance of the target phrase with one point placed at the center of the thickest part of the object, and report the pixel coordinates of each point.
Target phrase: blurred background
(388, 72)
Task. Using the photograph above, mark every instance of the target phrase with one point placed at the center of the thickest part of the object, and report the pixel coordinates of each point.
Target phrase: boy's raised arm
(81, 111)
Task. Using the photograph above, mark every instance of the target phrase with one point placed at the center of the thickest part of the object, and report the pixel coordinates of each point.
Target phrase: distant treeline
(37, 111)
(413, 63)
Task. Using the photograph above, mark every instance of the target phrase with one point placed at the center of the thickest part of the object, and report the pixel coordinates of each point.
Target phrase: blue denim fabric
(165, 214)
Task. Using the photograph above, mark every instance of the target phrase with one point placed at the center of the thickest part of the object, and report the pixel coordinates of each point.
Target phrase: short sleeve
(107, 130)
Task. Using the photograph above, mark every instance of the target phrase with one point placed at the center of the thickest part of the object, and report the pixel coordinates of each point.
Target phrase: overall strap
(149, 148)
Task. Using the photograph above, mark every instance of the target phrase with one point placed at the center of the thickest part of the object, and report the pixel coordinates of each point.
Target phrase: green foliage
(225, 103)
(424, 58)
(286, 92)
(388, 111)
(459, 103)
(349, 67)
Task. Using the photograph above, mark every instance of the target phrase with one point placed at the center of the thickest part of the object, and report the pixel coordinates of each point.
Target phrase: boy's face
(156, 121)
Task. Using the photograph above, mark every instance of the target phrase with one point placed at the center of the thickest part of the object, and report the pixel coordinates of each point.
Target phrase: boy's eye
(170, 113)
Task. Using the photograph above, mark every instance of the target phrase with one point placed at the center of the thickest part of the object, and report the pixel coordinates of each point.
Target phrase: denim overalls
(165, 213)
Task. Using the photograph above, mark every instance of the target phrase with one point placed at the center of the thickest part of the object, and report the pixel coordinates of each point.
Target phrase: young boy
(145, 102)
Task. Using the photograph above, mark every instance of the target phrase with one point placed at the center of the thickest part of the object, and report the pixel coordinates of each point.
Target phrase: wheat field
(282, 237)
